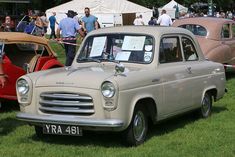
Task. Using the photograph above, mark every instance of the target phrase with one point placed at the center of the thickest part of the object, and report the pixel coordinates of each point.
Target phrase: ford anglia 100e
(23, 53)
(121, 79)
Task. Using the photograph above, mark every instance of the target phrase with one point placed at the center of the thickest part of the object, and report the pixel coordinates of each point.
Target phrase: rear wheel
(135, 134)
(206, 106)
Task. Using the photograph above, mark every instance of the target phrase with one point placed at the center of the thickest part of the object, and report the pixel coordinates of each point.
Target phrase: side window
(233, 30)
(195, 29)
(170, 50)
(190, 53)
(225, 33)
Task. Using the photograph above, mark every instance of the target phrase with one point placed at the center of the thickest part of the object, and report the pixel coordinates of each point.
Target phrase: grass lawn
(182, 136)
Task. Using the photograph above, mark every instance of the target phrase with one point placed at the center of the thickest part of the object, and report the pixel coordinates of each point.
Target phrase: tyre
(136, 132)
(206, 106)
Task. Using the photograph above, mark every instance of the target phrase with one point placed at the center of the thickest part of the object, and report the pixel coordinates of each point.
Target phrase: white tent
(109, 12)
(171, 8)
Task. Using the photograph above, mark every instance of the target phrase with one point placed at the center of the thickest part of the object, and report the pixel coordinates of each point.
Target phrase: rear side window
(225, 33)
(195, 29)
(170, 50)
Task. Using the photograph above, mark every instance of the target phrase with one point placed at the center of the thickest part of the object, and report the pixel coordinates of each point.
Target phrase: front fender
(51, 64)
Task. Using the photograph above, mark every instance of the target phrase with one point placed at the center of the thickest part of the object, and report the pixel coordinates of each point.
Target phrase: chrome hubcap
(139, 126)
(205, 105)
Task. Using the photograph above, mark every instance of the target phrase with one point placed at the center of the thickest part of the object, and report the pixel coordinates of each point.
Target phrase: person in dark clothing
(152, 22)
(69, 28)
(53, 21)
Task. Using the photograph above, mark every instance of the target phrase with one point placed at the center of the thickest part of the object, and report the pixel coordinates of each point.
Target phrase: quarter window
(170, 50)
(225, 31)
(190, 53)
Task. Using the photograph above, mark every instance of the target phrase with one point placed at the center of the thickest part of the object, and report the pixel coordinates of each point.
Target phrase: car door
(196, 73)
(177, 93)
(228, 41)
(232, 43)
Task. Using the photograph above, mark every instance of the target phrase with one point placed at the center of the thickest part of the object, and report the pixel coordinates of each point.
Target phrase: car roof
(213, 25)
(148, 30)
(22, 37)
(14, 37)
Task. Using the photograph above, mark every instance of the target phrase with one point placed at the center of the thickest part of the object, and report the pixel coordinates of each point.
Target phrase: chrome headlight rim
(22, 87)
(108, 89)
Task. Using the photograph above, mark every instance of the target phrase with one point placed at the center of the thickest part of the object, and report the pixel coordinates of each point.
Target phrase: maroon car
(216, 37)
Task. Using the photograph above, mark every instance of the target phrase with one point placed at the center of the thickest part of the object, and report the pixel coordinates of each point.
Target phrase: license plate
(62, 129)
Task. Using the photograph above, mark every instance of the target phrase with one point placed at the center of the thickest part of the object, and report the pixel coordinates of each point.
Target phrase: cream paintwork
(173, 87)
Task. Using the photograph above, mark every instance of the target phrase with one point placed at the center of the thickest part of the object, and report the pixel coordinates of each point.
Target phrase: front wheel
(136, 132)
(206, 106)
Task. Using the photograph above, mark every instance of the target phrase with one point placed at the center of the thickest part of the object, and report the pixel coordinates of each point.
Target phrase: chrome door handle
(156, 80)
(189, 70)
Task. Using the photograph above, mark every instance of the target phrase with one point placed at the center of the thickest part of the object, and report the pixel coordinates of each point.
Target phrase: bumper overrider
(69, 120)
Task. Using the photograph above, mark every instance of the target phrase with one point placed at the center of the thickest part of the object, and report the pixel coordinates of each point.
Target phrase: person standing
(53, 21)
(89, 22)
(164, 19)
(69, 28)
(39, 26)
(138, 21)
(152, 22)
(44, 22)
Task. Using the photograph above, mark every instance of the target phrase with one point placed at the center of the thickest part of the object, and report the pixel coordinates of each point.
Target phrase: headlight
(108, 89)
(22, 86)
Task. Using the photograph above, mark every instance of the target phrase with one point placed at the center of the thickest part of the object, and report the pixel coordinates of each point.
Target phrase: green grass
(181, 136)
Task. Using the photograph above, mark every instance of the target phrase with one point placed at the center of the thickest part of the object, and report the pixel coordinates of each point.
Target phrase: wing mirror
(119, 69)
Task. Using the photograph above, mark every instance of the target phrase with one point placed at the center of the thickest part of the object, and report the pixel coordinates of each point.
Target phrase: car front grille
(66, 104)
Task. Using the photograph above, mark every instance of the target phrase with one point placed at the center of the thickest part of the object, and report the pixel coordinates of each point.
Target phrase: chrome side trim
(69, 120)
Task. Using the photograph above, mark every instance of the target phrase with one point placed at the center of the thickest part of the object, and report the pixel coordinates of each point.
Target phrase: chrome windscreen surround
(66, 103)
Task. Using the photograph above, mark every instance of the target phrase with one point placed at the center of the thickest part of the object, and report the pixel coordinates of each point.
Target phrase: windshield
(117, 47)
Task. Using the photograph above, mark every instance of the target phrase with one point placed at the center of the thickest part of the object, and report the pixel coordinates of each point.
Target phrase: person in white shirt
(164, 19)
(138, 21)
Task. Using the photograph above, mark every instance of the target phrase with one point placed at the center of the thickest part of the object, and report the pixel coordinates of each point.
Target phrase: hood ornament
(119, 69)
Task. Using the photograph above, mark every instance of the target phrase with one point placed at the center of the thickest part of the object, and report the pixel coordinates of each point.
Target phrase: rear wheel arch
(212, 91)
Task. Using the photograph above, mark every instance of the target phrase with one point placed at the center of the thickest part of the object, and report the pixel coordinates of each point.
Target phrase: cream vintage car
(121, 79)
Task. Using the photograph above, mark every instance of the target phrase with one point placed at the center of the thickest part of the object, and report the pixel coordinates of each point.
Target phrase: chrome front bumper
(69, 120)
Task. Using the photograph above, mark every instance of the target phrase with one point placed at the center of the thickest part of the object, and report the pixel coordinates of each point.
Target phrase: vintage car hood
(81, 77)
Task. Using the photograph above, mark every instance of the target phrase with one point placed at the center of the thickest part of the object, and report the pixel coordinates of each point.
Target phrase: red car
(23, 53)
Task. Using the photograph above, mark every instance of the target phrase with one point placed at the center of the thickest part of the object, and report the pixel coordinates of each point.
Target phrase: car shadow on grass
(172, 124)
(8, 125)
(110, 139)
(8, 122)
(9, 106)
(89, 138)
(230, 75)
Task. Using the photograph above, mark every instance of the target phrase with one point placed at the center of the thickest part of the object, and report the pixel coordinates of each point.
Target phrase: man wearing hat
(69, 28)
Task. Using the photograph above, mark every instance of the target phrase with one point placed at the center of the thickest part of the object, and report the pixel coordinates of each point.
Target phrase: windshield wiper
(89, 59)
